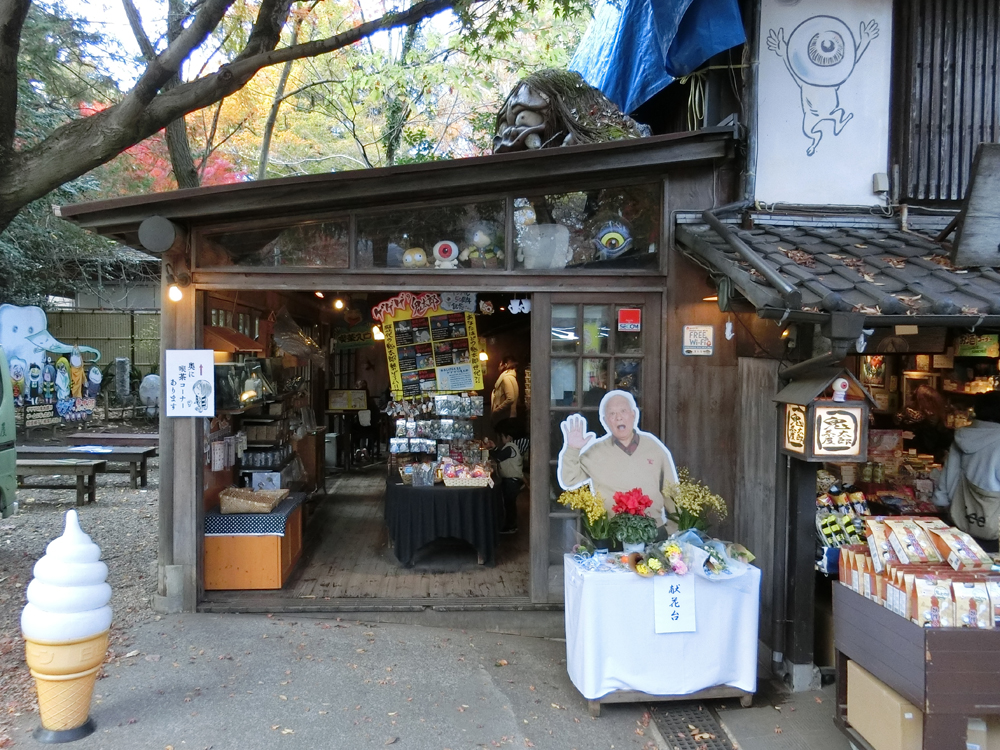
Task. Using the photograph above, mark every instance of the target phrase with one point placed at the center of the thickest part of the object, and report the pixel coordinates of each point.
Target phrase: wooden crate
(951, 674)
(253, 562)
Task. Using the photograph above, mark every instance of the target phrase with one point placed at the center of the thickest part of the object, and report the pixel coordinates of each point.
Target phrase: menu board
(429, 349)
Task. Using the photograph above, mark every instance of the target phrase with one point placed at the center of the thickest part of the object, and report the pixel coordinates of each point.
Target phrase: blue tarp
(635, 48)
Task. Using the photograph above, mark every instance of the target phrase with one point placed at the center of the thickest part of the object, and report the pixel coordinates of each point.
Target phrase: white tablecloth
(611, 643)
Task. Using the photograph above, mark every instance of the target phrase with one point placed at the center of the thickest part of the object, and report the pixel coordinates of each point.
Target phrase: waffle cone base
(64, 677)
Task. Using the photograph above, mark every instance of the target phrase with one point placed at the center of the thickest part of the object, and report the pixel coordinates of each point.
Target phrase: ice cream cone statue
(65, 626)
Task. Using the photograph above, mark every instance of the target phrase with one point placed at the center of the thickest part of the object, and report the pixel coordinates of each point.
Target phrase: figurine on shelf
(415, 257)
(612, 240)
(483, 249)
(446, 254)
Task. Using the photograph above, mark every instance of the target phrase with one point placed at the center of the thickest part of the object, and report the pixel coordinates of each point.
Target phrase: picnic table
(142, 439)
(135, 456)
(85, 471)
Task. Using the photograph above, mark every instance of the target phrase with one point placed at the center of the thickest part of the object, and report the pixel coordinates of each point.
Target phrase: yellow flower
(654, 563)
(693, 496)
(584, 500)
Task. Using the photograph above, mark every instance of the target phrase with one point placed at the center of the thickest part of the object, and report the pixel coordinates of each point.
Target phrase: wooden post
(541, 312)
(801, 573)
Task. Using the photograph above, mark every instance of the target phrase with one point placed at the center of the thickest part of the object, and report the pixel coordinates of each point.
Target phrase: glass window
(603, 228)
(565, 338)
(564, 382)
(442, 237)
(319, 245)
(596, 328)
(215, 317)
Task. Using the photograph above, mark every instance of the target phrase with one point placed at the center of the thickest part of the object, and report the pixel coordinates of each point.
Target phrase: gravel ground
(123, 523)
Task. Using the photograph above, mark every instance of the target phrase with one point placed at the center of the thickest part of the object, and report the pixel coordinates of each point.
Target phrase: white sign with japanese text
(673, 604)
(190, 383)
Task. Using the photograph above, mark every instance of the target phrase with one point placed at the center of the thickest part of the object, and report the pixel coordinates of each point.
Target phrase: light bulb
(483, 356)
(319, 294)
(174, 293)
(338, 304)
(377, 334)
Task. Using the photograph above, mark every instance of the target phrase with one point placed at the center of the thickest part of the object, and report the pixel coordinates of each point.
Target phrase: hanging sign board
(978, 345)
(698, 341)
(673, 604)
(630, 319)
(429, 348)
(190, 382)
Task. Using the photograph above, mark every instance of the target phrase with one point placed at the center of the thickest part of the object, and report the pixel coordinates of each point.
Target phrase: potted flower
(693, 502)
(630, 525)
(595, 518)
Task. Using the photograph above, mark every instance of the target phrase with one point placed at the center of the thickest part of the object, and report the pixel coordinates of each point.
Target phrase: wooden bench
(135, 456)
(141, 439)
(82, 469)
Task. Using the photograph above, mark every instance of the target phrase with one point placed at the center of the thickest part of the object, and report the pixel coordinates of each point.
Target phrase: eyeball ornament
(840, 386)
(415, 257)
(612, 240)
(446, 254)
(820, 54)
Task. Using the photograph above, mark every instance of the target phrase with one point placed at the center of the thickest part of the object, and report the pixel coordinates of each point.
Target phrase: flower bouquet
(693, 502)
(630, 524)
(595, 518)
(658, 560)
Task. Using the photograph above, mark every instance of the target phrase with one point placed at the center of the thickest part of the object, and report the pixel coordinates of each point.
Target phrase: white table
(613, 653)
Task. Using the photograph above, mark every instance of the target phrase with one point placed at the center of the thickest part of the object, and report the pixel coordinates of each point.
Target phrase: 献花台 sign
(189, 382)
(673, 604)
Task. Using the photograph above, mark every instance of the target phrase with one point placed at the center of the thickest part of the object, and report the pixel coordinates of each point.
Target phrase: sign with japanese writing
(795, 428)
(429, 348)
(673, 604)
(338, 400)
(978, 345)
(190, 382)
(630, 319)
(837, 430)
(698, 340)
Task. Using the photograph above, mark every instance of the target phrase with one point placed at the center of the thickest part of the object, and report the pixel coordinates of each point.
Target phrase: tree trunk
(399, 109)
(178, 144)
(272, 116)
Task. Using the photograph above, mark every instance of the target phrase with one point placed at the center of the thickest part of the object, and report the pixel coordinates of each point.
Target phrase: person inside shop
(926, 419)
(970, 481)
(510, 467)
(503, 403)
(365, 427)
(625, 458)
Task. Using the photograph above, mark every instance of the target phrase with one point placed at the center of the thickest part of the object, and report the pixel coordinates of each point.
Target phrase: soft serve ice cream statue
(65, 626)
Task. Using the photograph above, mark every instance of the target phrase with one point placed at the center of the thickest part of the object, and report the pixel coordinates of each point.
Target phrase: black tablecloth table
(418, 515)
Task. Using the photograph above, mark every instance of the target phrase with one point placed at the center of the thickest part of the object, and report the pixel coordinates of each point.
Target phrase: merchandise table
(418, 515)
(613, 653)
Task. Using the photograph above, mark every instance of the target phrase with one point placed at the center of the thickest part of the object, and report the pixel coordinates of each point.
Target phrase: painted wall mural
(48, 376)
(823, 101)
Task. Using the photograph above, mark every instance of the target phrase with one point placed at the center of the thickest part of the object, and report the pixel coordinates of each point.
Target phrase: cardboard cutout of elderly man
(623, 459)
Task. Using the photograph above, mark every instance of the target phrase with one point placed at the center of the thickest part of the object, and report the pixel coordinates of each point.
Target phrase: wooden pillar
(541, 473)
(188, 465)
(167, 598)
(801, 573)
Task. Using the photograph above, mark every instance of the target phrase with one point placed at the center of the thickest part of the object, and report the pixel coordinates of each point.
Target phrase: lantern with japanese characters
(824, 417)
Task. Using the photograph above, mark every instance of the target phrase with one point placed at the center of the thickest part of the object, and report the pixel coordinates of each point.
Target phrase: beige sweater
(611, 470)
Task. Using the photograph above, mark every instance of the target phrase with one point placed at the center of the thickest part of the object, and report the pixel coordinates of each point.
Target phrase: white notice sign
(673, 604)
(190, 382)
(455, 378)
(698, 340)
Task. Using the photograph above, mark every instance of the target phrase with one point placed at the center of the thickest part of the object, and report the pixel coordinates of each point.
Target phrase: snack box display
(911, 542)
(961, 551)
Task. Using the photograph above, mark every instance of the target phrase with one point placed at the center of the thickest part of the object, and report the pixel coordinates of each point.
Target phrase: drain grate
(689, 726)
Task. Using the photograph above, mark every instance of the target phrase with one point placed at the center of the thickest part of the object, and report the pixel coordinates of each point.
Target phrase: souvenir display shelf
(951, 674)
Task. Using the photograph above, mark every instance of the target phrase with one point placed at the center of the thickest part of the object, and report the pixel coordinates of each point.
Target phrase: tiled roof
(866, 270)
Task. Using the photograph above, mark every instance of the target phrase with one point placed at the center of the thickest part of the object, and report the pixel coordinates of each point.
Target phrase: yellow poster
(429, 349)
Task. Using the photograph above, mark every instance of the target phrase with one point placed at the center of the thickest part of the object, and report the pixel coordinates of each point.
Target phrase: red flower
(633, 501)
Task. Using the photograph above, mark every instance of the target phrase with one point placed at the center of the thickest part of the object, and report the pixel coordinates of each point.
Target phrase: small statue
(49, 381)
(482, 249)
(415, 257)
(62, 379)
(446, 254)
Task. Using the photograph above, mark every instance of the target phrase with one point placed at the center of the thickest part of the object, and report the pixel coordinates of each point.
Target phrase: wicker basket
(467, 481)
(243, 500)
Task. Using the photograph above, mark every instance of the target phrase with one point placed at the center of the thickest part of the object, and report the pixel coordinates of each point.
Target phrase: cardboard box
(882, 716)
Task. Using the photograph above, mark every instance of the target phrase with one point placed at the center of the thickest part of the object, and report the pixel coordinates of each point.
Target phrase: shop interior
(925, 384)
(315, 408)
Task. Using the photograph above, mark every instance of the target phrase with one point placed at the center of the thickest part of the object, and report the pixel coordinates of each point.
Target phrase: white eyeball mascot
(446, 254)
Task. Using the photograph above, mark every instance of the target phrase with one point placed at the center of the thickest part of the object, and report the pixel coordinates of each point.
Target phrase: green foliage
(632, 529)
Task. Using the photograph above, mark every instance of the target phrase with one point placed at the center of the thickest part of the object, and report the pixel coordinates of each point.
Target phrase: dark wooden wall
(754, 513)
(946, 93)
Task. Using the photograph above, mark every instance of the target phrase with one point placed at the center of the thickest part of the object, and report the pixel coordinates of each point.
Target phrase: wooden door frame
(651, 403)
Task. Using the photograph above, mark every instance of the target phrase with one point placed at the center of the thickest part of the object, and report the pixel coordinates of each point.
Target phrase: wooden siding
(754, 515)
(947, 93)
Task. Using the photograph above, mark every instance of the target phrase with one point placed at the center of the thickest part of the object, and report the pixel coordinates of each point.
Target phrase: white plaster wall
(839, 170)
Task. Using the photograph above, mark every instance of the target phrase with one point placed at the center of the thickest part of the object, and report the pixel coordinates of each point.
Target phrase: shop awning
(223, 339)
(889, 275)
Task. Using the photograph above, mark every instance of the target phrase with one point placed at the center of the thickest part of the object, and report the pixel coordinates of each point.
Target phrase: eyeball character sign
(820, 54)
